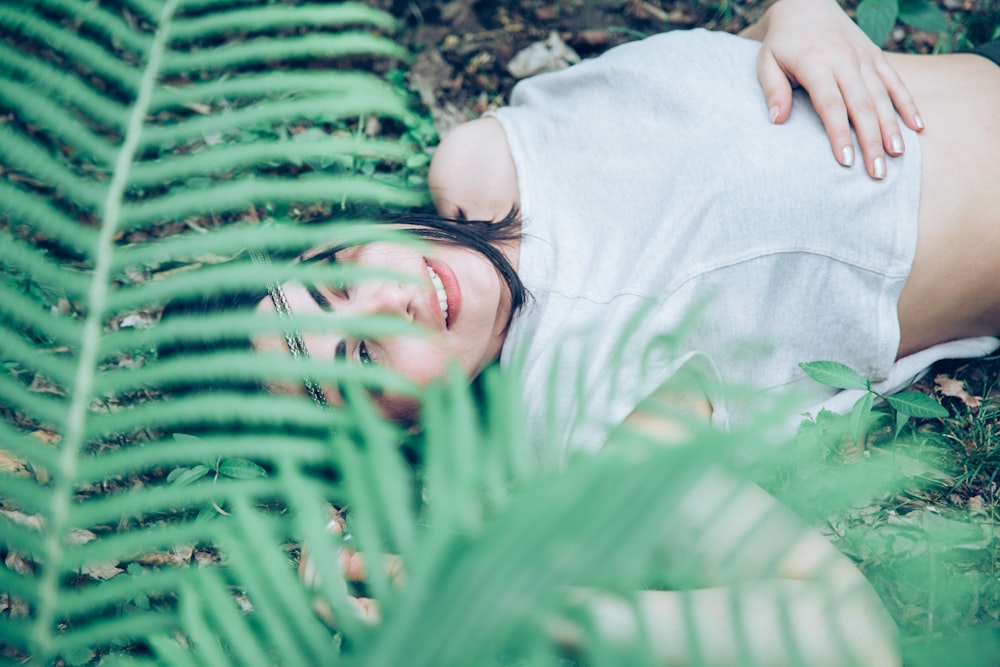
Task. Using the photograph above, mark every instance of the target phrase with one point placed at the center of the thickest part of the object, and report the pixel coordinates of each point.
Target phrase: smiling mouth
(442, 295)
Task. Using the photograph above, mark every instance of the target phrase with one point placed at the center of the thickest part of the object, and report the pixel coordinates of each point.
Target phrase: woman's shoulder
(473, 170)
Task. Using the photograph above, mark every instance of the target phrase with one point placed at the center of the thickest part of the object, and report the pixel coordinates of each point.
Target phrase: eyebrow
(340, 352)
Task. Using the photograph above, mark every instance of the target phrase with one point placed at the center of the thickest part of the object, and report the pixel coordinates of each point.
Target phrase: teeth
(439, 289)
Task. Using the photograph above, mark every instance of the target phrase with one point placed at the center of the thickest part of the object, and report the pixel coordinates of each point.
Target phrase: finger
(307, 567)
(352, 564)
(899, 93)
(828, 101)
(776, 86)
(365, 609)
(864, 117)
(368, 610)
(892, 135)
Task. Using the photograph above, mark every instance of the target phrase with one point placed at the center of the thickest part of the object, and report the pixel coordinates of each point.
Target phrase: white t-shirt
(667, 222)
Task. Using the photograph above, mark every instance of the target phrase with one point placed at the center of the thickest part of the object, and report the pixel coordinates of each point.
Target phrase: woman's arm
(766, 588)
(813, 44)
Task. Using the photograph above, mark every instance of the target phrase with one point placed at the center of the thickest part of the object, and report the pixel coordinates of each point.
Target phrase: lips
(449, 285)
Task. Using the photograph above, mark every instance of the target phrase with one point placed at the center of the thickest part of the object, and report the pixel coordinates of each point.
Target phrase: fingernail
(880, 167)
(897, 144)
(919, 121)
(847, 158)
(774, 113)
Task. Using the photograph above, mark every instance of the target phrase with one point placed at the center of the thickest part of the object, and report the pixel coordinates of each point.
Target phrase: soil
(465, 46)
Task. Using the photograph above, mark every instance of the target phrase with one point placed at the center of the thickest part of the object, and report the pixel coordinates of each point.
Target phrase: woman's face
(454, 293)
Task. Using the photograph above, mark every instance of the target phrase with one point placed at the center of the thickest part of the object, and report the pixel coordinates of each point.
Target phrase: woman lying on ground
(647, 218)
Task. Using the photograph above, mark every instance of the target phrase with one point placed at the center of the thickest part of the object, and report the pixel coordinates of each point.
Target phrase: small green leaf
(185, 476)
(241, 469)
(859, 416)
(417, 160)
(206, 514)
(901, 420)
(834, 374)
(877, 18)
(922, 15)
(916, 404)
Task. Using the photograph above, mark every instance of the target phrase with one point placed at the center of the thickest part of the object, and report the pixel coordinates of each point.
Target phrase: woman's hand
(352, 566)
(813, 44)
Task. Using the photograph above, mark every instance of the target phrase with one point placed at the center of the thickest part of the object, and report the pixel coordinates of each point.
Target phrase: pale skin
(950, 294)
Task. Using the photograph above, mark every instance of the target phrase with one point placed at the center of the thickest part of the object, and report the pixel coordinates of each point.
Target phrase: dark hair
(483, 236)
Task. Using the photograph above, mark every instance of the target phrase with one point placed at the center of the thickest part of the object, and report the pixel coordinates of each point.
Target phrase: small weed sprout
(905, 404)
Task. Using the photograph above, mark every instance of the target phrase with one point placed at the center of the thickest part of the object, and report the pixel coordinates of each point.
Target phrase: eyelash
(365, 356)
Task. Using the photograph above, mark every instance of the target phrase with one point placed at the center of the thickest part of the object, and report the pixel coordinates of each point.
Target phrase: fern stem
(44, 639)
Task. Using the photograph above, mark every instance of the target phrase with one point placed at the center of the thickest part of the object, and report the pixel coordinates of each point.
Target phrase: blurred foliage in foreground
(155, 498)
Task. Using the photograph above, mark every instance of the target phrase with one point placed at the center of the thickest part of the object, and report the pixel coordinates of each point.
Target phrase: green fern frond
(286, 48)
(97, 19)
(83, 53)
(249, 19)
(126, 120)
(56, 84)
(46, 219)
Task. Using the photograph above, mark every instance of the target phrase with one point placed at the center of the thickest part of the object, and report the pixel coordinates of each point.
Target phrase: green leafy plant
(146, 147)
(906, 404)
(878, 17)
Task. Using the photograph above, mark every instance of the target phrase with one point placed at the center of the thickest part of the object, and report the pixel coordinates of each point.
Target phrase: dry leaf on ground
(548, 56)
(32, 521)
(428, 75)
(11, 465)
(948, 386)
(103, 571)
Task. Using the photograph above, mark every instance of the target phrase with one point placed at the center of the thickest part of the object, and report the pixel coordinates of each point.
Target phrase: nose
(388, 298)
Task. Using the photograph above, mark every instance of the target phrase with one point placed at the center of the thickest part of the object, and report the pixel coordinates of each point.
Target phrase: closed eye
(321, 299)
(328, 255)
(340, 288)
